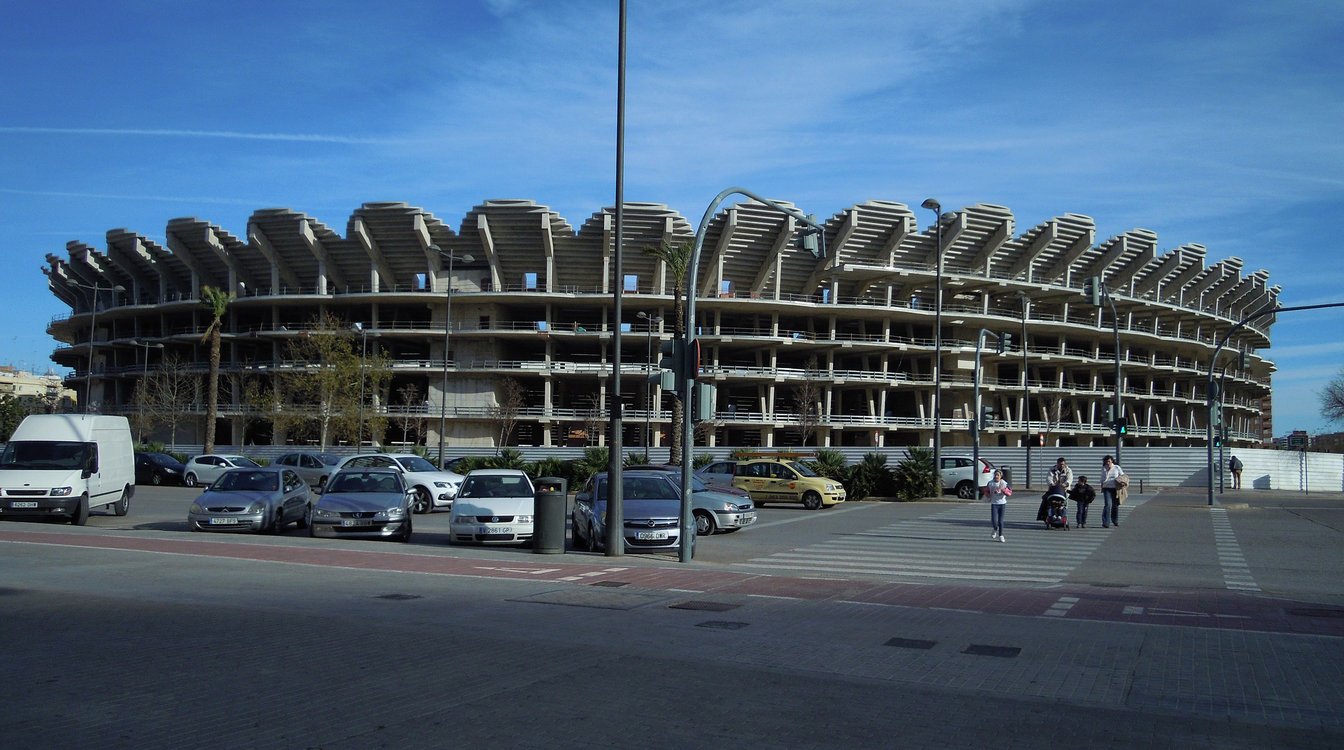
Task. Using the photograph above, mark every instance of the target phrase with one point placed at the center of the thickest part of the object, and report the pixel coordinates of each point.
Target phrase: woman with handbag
(1110, 489)
(997, 492)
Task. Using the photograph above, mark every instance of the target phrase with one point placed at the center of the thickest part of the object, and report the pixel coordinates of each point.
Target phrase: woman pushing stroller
(1058, 483)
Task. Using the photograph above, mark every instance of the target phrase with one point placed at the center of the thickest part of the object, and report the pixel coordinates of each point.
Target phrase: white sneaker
(994, 535)
(1001, 537)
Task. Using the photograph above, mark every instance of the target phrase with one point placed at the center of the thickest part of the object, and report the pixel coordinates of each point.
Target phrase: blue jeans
(1081, 516)
(1110, 511)
(996, 516)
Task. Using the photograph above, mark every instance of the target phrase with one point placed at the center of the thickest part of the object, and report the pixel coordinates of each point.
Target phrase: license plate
(223, 522)
(24, 504)
(357, 522)
(494, 530)
(748, 520)
(650, 535)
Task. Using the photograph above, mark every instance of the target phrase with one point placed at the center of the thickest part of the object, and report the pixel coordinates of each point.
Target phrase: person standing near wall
(1110, 507)
(1234, 466)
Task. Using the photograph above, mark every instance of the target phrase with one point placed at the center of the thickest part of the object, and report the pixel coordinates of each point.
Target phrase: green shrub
(701, 460)
(830, 464)
(595, 459)
(916, 477)
(871, 477)
(508, 458)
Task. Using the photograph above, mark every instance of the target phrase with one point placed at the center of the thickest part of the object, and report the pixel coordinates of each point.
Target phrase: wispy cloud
(114, 196)
(230, 134)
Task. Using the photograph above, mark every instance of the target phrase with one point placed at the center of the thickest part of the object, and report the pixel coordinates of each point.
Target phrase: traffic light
(1004, 340)
(1121, 426)
(1216, 414)
(1092, 290)
(705, 395)
(671, 361)
(811, 238)
(1217, 440)
(986, 417)
(1110, 413)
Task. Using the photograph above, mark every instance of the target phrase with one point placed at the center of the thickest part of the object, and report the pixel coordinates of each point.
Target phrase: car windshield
(42, 454)
(641, 488)
(802, 469)
(162, 458)
(361, 481)
(328, 459)
(243, 461)
(247, 481)
(415, 463)
(496, 486)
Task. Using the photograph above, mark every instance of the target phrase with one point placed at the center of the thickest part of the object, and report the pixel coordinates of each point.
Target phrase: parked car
(433, 488)
(650, 509)
(493, 506)
(781, 480)
(206, 468)
(363, 502)
(717, 482)
(956, 473)
(158, 468)
(720, 474)
(714, 509)
(260, 499)
(313, 466)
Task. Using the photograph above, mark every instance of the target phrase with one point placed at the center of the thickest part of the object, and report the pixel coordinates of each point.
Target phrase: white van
(65, 464)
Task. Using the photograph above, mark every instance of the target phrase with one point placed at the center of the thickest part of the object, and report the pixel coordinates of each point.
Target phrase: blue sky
(1215, 123)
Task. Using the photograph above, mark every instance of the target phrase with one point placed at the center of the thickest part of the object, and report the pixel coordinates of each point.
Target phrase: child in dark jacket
(1082, 494)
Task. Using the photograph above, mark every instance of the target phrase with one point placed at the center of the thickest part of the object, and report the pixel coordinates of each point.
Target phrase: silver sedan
(363, 503)
(260, 499)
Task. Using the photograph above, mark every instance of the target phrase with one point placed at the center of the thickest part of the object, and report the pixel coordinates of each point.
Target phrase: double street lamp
(651, 320)
(447, 327)
(937, 209)
(93, 330)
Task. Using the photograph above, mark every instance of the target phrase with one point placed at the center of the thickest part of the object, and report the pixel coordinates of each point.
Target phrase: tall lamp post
(652, 320)
(1026, 389)
(144, 384)
(93, 330)
(363, 353)
(447, 327)
(937, 209)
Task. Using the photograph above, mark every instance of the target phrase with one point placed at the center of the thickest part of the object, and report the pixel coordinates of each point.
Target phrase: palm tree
(217, 301)
(676, 258)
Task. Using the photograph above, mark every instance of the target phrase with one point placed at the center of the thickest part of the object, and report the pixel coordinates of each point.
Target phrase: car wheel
(302, 523)
(189, 480)
(704, 524)
(122, 506)
(811, 500)
(591, 541)
(966, 490)
(278, 525)
(405, 535)
(81, 515)
(156, 479)
(423, 502)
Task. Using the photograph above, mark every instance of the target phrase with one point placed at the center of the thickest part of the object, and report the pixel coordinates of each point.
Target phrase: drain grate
(399, 597)
(705, 606)
(911, 643)
(1003, 652)
(722, 625)
(611, 584)
(1316, 612)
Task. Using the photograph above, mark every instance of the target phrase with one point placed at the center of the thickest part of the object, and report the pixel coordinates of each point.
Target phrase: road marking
(815, 515)
(1236, 573)
(1061, 606)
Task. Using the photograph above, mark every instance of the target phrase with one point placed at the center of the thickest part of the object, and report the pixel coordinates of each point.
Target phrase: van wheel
(123, 505)
(189, 480)
(278, 527)
(966, 490)
(811, 500)
(81, 516)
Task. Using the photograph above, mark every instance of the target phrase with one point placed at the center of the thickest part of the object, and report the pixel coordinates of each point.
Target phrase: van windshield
(42, 454)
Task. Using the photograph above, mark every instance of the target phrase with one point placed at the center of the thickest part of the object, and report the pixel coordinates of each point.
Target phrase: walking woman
(997, 491)
(1110, 507)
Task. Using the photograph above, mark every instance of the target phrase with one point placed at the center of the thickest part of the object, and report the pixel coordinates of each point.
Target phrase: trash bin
(548, 532)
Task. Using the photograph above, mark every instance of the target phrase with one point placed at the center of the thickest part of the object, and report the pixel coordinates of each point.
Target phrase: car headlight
(462, 519)
(257, 507)
(832, 487)
(324, 513)
(391, 514)
(170, 471)
(61, 491)
(196, 509)
(524, 519)
(443, 485)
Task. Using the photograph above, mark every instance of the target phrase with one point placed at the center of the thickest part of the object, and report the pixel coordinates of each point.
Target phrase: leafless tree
(593, 421)
(807, 401)
(1332, 399)
(408, 397)
(170, 394)
(510, 400)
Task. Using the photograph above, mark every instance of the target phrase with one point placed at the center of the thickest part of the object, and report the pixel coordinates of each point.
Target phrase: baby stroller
(1056, 514)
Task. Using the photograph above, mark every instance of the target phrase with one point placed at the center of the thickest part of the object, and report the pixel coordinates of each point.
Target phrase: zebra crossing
(951, 544)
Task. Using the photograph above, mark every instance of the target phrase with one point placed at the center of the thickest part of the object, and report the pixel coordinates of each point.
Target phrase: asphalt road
(868, 625)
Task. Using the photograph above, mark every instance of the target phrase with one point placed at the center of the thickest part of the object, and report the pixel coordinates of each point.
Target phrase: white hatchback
(433, 488)
(494, 506)
(957, 475)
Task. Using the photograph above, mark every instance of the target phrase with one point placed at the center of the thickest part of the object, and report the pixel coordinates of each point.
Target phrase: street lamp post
(1026, 390)
(652, 320)
(447, 327)
(363, 352)
(144, 384)
(93, 329)
(937, 209)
